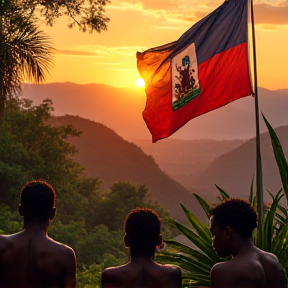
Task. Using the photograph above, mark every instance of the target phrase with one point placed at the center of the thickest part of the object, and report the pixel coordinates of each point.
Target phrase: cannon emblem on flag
(185, 81)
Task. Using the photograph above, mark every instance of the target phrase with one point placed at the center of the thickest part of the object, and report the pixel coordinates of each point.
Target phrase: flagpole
(259, 181)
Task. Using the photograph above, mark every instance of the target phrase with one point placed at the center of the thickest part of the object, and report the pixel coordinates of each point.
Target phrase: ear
(228, 232)
(52, 214)
(160, 240)
(20, 210)
(126, 241)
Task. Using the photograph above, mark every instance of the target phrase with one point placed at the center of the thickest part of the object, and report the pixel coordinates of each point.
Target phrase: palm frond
(279, 156)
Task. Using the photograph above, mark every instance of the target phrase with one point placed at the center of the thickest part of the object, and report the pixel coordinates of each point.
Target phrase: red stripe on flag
(223, 79)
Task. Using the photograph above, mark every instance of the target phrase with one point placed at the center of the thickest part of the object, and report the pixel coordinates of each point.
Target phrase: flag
(206, 68)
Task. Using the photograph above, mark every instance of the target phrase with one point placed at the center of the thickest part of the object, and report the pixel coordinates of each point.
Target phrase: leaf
(196, 240)
(184, 262)
(279, 156)
(268, 230)
(198, 255)
(281, 219)
(280, 240)
(202, 230)
(204, 204)
(223, 193)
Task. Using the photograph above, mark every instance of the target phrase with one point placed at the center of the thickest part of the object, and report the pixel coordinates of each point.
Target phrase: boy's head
(142, 231)
(37, 201)
(234, 216)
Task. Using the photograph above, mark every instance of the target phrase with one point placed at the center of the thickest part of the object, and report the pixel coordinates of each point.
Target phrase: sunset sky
(135, 25)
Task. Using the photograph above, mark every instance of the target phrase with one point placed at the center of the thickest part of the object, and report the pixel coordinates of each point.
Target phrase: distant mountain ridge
(185, 160)
(234, 170)
(106, 155)
(197, 165)
(121, 110)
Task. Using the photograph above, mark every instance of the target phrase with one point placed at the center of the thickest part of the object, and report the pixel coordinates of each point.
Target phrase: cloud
(75, 53)
(122, 69)
(166, 27)
(193, 11)
(180, 12)
(274, 15)
(107, 63)
(105, 52)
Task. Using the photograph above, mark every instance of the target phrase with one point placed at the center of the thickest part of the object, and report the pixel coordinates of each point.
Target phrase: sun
(140, 83)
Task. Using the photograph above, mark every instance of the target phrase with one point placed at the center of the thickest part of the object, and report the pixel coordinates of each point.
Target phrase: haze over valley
(215, 148)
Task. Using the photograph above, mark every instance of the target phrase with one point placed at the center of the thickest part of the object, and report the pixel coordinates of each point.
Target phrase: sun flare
(140, 83)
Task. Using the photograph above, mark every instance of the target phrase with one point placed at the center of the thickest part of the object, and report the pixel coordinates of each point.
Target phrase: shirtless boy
(30, 259)
(142, 236)
(232, 223)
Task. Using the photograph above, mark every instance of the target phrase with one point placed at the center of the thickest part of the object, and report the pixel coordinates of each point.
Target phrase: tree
(25, 53)
(32, 149)
(88, 15)
(121, 199)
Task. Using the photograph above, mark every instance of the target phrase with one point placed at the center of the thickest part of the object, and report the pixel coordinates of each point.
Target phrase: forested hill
(106, 155)
(234, 170)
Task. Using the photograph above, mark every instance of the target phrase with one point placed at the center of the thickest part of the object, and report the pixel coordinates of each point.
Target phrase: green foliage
(121, 199)
(88, 219)
(10, 222)
(197, 258)
(90, 276)
(99, 242)
(279, 156)
(25, 52)
(32, 149)
(86, 14)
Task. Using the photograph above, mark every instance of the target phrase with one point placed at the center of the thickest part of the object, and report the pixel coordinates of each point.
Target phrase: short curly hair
(37, 199)
(142, 227)
(236, 213)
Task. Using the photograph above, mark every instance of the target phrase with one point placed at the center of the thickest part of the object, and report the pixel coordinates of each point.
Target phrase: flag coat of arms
(206, 68)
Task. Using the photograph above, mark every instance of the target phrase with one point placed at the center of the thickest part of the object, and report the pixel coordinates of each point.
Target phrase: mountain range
(106, 155)
(121, 110)
(215, 148)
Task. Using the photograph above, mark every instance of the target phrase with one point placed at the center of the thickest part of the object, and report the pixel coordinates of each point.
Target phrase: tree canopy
(88, 15)
(25, 51)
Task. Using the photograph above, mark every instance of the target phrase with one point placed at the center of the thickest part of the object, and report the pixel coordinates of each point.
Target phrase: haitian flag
(206, 68)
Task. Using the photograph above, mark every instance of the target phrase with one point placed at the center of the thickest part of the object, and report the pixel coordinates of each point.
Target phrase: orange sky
(137, 25)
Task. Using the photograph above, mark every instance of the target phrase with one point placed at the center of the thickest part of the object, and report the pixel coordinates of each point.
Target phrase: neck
(35, 227)
(243, 246)
(135, 257)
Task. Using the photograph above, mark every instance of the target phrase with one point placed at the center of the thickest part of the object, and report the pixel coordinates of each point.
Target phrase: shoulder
(3, 242)
(8, 240)
(108, 272)
(112, 275)
(272, 267)
(269, 260)
(220, 274)
(218, 270)
(172, 270)
(172, 274)
(62, 251)
(221, 267)
(113, 272)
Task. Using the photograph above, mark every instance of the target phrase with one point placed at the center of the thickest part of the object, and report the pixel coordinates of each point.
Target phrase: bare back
(256, 269)
(36, 261)
(142, 275)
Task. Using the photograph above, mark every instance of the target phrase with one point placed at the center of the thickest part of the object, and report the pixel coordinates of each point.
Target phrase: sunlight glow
(140, 83)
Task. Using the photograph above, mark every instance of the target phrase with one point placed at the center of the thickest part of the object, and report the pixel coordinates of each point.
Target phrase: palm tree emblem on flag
(185, 83)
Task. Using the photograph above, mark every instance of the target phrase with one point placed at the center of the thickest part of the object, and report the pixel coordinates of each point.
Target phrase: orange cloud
(75, 53)
(184, 11)
(268, 14)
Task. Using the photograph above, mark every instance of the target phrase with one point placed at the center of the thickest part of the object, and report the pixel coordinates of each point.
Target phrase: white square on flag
(185, 82)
